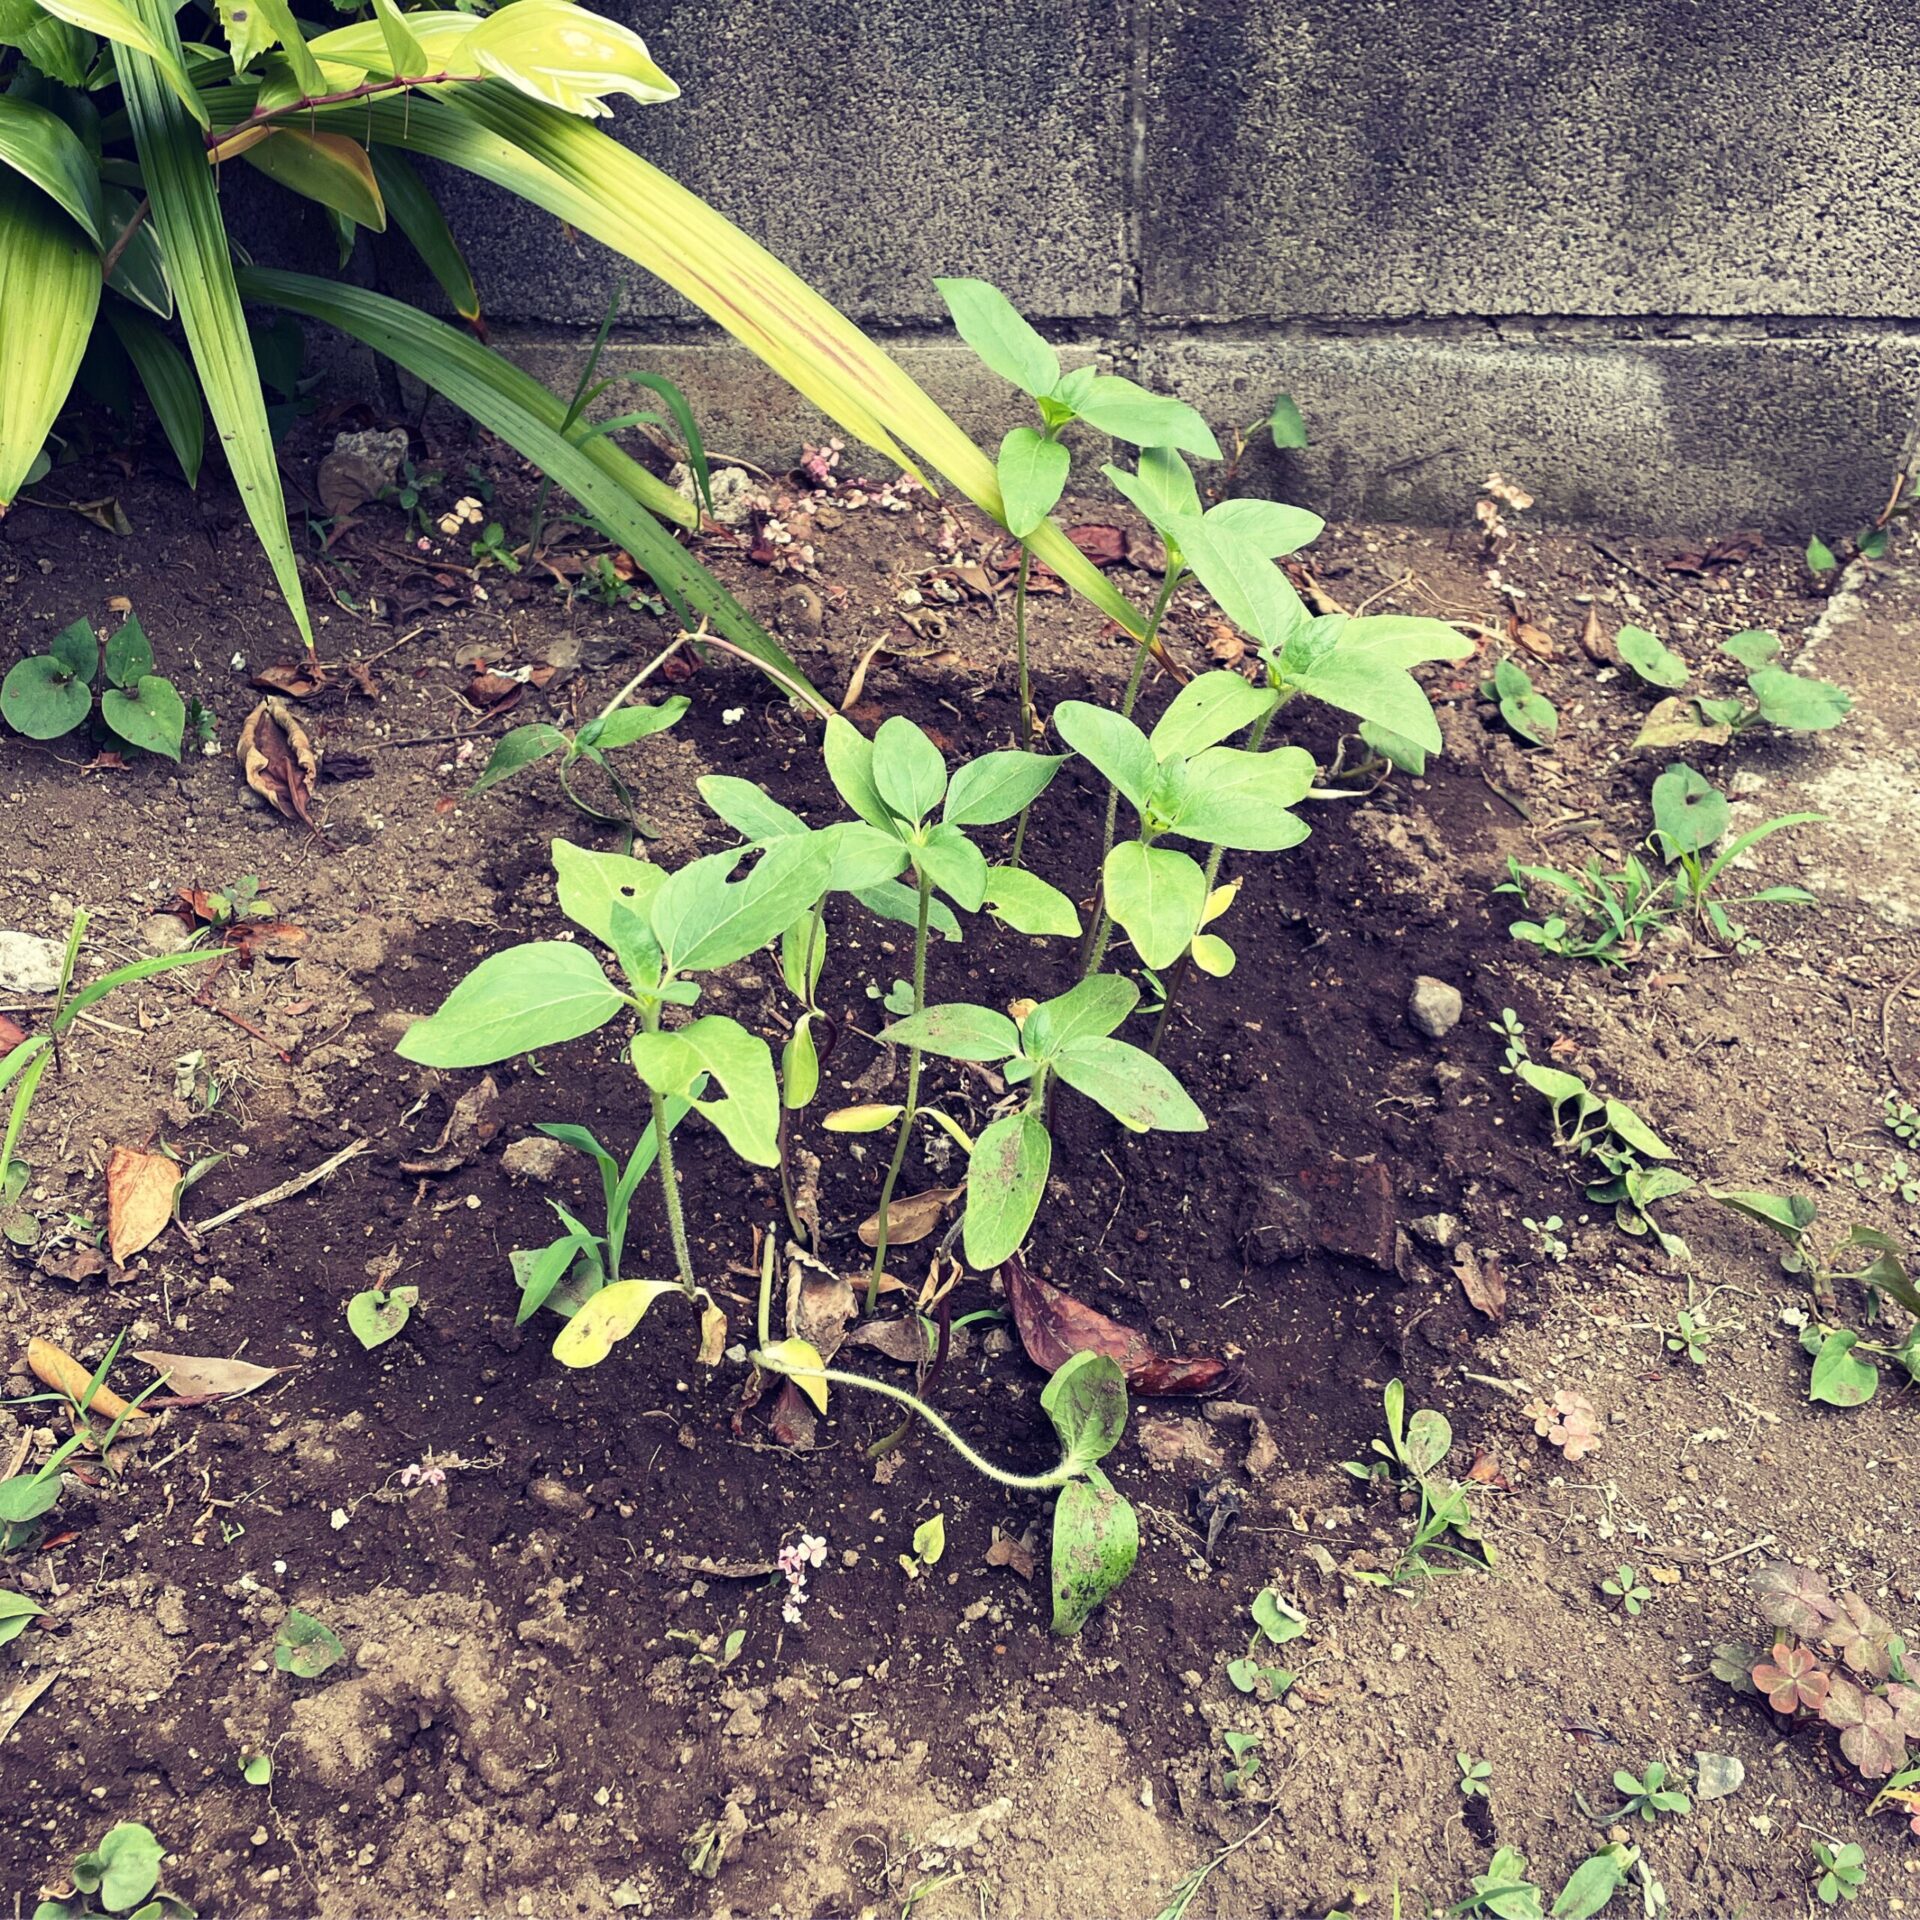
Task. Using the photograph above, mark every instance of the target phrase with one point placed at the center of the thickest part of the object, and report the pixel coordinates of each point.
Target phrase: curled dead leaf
(910, 1219)
(55, 1367)
(1595, 642)
(474, 1121)
(1015, 1555)
(278, 760)
(713, 1336)
(1482, 1281)
(140, 1194)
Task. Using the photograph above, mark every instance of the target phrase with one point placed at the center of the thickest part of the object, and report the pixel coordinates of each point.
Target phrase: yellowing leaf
(610, 1315)
(140, 1191)
(572, 59)
(194, 1377)
(1212, 955)
(1665, 1576)
(327, 167)
(713, 1335)
(910, 1219)
(868, 1118)
(1219, 900)
(800, 1361)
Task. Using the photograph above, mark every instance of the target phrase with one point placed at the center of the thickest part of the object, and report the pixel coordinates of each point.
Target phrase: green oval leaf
(1651, 658)
(992, 326)
(515, 1001)
(152, 716)
(1131, 1084)
(42, 699)
(1087, 1402)
(908, 772)
(374, 1316)
(1096, 1539)
(996, 786)
(1006, 1181)
(520, 747)
(1840, 1377)
(1032, 471)
(1157, 896)
(304, 1647)
(1028, 904)
(957, 1031)
(1798, 702)
(591, 884)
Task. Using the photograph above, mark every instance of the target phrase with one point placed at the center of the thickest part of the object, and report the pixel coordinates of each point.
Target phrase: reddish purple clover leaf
(1793, 1597)
(1860, 1637)
(1869, 1730)
(1905, 1702)
(1792, 1680)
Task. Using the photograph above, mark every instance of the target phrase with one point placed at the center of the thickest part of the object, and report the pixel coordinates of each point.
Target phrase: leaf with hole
(1689, 812)
(305, 1647)
(1651, 658)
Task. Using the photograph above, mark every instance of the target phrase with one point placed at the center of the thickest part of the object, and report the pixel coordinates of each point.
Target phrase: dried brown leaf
(194, 1377)
(1596, 643)
(474, 1121)
(1015, 1555)
(140, 1192)
(911, 1218)
(1054, 1326)
(278, 760)
(1482, 1281)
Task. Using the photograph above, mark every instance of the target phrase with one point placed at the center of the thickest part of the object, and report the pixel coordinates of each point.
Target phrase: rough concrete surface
(1662, 260)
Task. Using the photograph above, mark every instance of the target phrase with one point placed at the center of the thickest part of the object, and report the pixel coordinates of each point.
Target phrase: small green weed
(1623, 1588)
(121, 1874)
(49, 694)
(1843, 1872)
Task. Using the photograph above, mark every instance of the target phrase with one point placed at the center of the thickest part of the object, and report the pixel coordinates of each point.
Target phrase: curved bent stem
(925, 890)
(1054, 1477)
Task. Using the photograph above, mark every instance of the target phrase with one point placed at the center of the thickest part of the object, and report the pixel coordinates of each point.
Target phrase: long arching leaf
(49, 293)
(169, 382)
(523, 413)
(153, 38)
(48, 152)
(592, 182)
(417, 214)
(187, 216)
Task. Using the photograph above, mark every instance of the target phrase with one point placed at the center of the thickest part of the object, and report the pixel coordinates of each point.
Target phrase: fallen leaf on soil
(55, 1367)
(11, 1034)
(195, 906)
(76, 1264)
(1487, 1471)
(1595, 642)
(1482, 1281)
(726, 1569)
(793, 1423)
(140, 1192)
(278, 761)
(1225, 644)
(106, 761)
(713, 1336)
(1104, 546)
(1536, 639)
(474, 1121)
(910, 1219)
(819, 1304)
(295, 679)
(1005, 1551)
(193, 1377)
(26, 1689)
(1666, 1576)
(342, 765)
(1054, 1326)
(902, 1340)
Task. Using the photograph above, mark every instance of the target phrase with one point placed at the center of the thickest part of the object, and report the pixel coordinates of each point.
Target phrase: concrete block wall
(1659, 259)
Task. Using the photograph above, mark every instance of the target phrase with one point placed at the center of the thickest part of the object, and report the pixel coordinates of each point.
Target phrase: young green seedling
(1623, 1588)
(119, 1876)
(1274, 1624)
(1476, 1777)
(1504, 1892)
(1414, 1453)
(1033, 463)
(1530, 715)
(1793, 702)
(615, 725)
(1096, 1534)
(1649, 1796)
(662, 928)
(49, 694)
(1607, 917)
(929, 1544)
(1690, 817)
(1071, 1039)
(1843, 1872)
(1181, 782)
(1245, 1749)
(894, 782)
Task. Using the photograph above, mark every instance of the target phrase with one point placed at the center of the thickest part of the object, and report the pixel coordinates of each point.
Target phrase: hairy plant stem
(1132, 694)
(1054, 1477)
(1184, 965)
(669, 1186)
(924, 888)
(1026, 685)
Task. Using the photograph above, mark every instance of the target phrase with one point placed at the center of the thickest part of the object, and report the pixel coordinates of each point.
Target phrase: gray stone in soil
(1433, 1007)
(29, 964)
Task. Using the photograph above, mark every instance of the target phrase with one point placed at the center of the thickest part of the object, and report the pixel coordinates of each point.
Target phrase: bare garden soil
(524, 1722)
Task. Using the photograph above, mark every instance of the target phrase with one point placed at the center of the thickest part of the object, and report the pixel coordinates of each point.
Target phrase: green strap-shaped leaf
(996, 786)
(618, 493)
(170, 385)
(59, 51)
(417, 214)
(48, 152)
(192, 231)
(49, 292)
(138, 27)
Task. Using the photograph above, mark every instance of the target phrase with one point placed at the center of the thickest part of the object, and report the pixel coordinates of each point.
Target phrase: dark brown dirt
(523, 1724)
